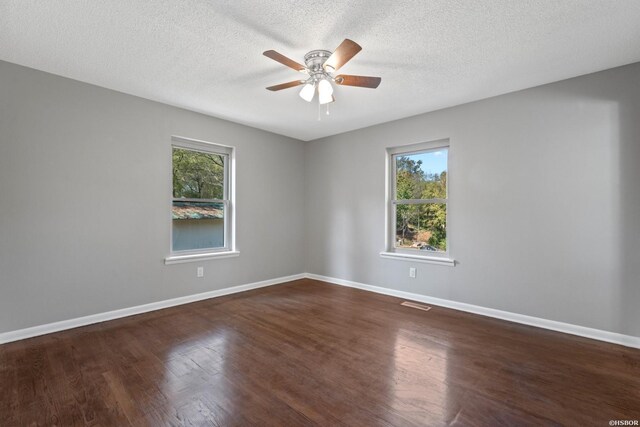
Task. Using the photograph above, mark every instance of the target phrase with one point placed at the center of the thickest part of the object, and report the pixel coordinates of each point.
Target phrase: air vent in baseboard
(416, 305)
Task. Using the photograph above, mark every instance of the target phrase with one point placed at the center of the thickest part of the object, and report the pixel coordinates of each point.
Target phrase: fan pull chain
(319, 116)
(327, 109)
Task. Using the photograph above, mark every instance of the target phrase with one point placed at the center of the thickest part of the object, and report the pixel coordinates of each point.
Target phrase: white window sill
(418, 258)
(179, 259)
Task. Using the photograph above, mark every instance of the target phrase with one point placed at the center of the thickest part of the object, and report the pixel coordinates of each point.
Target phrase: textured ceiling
(207, 55)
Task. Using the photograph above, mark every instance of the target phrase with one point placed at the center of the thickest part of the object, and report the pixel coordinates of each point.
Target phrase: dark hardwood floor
(310, 353)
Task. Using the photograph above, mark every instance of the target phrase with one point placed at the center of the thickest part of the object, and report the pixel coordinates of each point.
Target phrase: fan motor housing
(314, 61)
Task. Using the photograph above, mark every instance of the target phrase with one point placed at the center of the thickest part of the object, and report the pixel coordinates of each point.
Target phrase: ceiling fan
(320, 66)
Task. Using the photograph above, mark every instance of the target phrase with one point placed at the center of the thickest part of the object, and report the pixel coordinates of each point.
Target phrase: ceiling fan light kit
(320, 65)
(325, 92)
(308, 91)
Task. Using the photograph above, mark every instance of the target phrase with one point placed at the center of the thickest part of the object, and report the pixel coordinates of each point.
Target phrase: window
(201, 199)
(417, 202)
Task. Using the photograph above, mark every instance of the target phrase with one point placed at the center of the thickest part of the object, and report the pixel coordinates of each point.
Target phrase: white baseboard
(48, 328)
(596, 334)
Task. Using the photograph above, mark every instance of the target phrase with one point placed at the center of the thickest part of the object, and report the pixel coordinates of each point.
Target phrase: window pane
(422, 227)
(197, 175)
(422, 175)
(197, 225)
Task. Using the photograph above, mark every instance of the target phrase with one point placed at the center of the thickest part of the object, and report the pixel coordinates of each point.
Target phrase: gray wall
(85, 198)
(544, 202)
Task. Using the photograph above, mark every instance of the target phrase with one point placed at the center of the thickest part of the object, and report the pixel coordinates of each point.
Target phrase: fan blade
(283, 60)
(286, 85)
(342, 54)
(360, 81)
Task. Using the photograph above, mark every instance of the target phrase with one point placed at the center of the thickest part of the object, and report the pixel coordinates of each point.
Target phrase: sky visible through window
(433, 162)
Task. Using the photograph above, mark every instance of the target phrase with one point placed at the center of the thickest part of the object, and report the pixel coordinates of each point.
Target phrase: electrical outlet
(412, 272)
(200, 272)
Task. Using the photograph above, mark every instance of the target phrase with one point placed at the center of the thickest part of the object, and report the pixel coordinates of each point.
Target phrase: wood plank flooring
(311, 353)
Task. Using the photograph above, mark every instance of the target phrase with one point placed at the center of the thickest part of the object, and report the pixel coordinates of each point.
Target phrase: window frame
(391, 251)
(228, 201)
